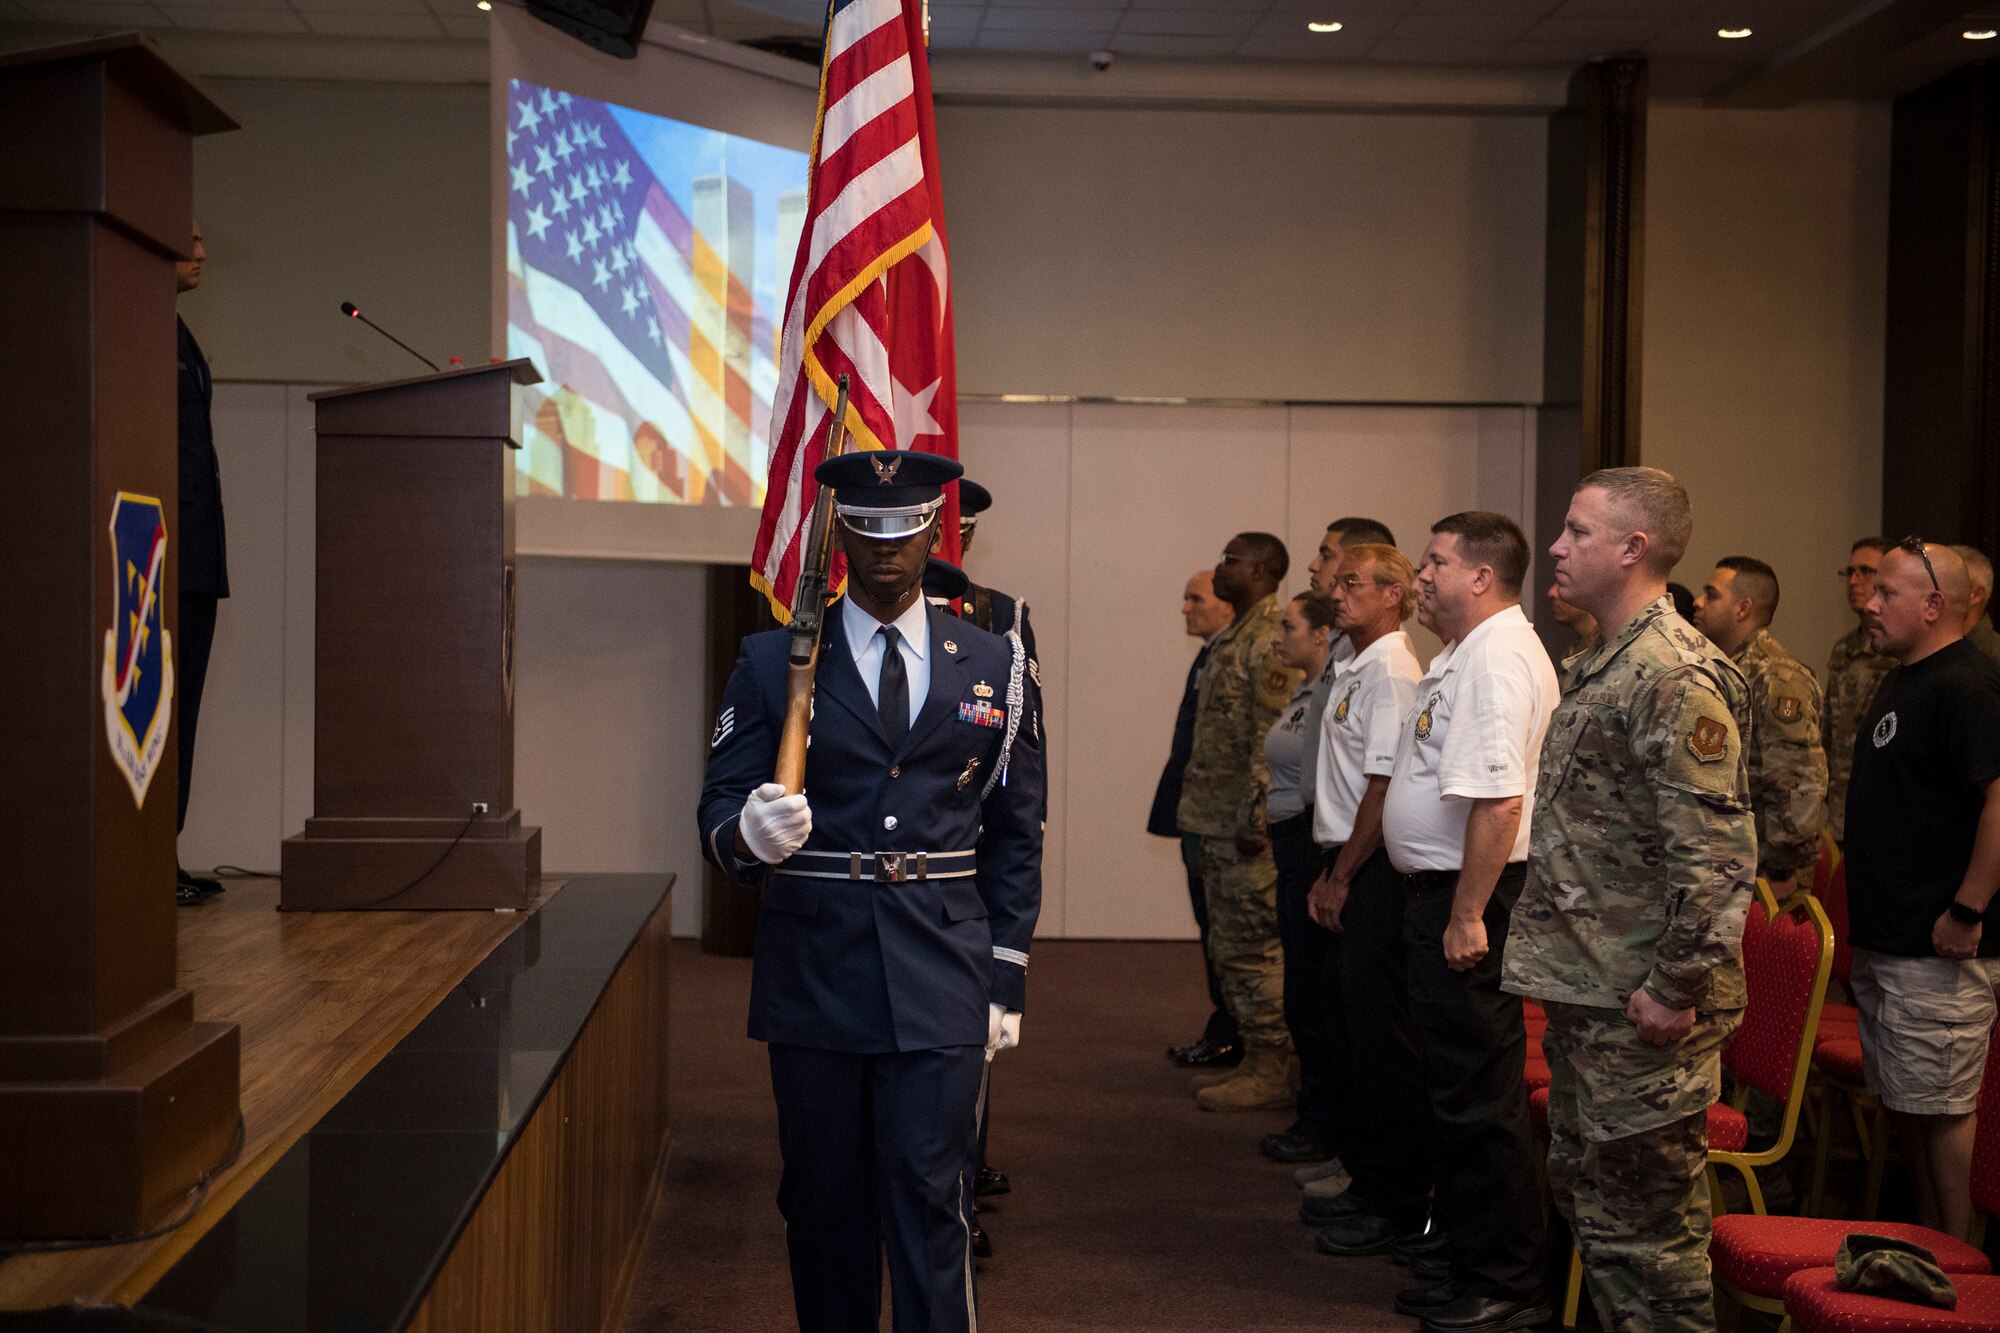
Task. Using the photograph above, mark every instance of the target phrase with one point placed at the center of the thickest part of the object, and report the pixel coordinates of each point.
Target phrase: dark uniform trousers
(1221, 1027)
(202, 560)
(871, 988)
(875, 1150)
(1475, 1057)
(1313, 1012)
(1390, 1149)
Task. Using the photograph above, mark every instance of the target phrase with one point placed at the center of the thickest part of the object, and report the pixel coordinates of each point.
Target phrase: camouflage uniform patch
(1788, 777)
(1243, 944)
(1629, 1128)
(1641, 847)
(1853, 673)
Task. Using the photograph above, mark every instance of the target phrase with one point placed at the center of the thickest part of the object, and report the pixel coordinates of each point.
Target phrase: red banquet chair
(1786, 960)
(1837, 1062)
(1814, 1303)
(1755, 1257)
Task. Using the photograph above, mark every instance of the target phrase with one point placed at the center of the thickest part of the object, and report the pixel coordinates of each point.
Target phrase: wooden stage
(324, 999)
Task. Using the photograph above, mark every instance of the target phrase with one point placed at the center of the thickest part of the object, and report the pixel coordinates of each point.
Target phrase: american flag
(659, 367)
(869, 296)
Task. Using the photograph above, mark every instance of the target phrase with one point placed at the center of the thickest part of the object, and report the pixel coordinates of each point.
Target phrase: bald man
(1979, 631)
(1923, 862)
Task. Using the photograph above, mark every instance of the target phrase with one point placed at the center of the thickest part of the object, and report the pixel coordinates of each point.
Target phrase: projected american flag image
(646, 261)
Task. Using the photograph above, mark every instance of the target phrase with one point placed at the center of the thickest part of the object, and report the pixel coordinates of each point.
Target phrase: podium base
(351, 865)
(88, 1158)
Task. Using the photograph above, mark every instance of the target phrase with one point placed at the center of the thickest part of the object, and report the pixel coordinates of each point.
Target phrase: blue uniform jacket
(856, 965)
(204, 558)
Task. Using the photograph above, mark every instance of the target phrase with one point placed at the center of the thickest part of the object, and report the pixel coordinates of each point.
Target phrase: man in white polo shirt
(1358, 896)
(1456, 830)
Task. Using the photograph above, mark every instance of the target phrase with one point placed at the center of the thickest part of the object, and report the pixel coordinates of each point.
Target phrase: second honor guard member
(899, 896)
(989, 608)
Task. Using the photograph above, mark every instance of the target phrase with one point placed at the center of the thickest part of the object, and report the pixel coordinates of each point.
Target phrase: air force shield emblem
(138, 678)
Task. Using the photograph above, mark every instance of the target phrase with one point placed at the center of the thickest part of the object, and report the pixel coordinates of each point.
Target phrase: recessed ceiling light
(1328, 26)
(483, 4)
(1732, 32)
(1979, 34)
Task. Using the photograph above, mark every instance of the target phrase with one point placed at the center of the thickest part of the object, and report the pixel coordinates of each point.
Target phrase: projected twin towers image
(647, 261)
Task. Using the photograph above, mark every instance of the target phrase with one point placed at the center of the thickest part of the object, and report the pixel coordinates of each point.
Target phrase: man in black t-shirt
(1923, 864)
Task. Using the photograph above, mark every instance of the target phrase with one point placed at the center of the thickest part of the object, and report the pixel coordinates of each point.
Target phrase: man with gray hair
(1979, 631)
(1630, 928)
(1787, 766)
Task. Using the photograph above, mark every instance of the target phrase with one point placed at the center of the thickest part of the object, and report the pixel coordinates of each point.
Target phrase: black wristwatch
(1965, 916)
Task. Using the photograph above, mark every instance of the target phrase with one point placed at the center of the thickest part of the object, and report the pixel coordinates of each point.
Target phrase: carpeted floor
(1131, 1208)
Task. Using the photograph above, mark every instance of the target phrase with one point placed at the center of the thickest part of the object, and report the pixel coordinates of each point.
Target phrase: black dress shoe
(1292, 1147)
(1364, 1233)
(1431, 1267)
(1432, 1244)
(187, 896)
(1206, 1054)
(200, 884)
(1420, 1301)
(1474, 1313)
(1318, 1211)
(989, 1182)
(982, 1244)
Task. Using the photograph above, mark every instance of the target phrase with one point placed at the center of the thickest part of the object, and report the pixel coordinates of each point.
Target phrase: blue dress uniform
(880, 945)
(203, 565)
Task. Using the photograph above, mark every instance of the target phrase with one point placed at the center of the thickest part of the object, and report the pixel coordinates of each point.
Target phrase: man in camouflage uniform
(1242, 687)
(1853, 673)
(1787, 767)
(1630, 928)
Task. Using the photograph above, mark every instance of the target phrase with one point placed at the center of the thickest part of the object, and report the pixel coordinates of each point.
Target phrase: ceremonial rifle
(808, 610)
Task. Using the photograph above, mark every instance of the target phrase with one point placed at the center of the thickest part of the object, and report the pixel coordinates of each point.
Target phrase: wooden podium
(413, 714)
(114, 1102)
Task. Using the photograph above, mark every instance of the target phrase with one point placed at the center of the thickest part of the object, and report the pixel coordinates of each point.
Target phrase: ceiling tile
(1187, 22)
(476, 29)
(991, 39)
(1161, 44)
(1560, 53)
(239, 20)
(1405, 51)
(175, 8)
(1213, 6)
(375, 25)
(95, 15)
(1607, 33)
(1663, 14)
(1496, 8)
(1463, 27)
(406, 7)
(1051, 20)
(811, 13)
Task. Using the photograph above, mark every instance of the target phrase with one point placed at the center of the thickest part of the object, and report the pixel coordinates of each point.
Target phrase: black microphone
(352, 311)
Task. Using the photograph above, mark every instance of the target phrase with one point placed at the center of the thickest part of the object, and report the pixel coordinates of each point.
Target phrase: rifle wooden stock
(791, 774)
(808, 612)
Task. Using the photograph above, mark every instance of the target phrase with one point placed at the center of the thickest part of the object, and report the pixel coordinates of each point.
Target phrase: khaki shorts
(1924, 1028)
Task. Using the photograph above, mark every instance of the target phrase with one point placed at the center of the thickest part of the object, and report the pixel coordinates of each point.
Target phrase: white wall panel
(1158, 492)
(1021, 454)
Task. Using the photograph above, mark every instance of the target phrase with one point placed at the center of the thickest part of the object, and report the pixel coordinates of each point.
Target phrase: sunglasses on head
(1915, 546)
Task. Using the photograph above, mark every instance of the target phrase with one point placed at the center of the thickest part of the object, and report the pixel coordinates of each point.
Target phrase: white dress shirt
(1371, 699)
(865, 641)
(1476, 733)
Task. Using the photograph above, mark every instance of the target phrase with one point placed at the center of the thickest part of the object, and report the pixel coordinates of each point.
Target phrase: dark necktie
(892, 694)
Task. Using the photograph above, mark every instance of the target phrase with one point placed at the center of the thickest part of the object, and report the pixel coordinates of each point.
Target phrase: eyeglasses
(1865, 571)
(1915, 546)
(1355, 583)
(1228, 556)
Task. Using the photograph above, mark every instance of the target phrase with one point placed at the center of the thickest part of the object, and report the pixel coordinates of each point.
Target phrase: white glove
(775, 825)
(1003, 1030)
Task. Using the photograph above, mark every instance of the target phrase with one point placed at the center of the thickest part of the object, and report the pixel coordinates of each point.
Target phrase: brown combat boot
(1215, 1078)
(1263, 1082)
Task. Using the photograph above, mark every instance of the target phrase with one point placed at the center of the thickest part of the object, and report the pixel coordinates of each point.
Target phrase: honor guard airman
(899, 895)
